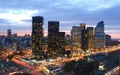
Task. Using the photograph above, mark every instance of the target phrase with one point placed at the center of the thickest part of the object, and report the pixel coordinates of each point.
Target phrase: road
(110, 61)
(30, 69)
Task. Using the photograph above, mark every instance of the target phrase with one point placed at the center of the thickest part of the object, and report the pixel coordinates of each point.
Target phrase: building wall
(107, 40)
(84, 40)
(76, 38)
(53, 29)
(99, 36)
(90, 38)
(61, 43)
(37, 35)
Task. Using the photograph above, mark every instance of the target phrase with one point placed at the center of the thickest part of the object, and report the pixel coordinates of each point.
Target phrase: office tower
(61, 43)
(107, 40)
(76, 38)
(84, 37)
(9, 33)
(84, 40)
(99, 36)
(53, 30)
(37, 35)
(90, 38)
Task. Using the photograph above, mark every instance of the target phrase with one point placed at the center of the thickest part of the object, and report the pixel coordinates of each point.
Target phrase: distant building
(53, 30)
(15, 35)
(76, 38)
(82, 26)
(99, 36)
(90, 38)
(37, 35)
(68, 43)
(68, 37)
(115, 42)
(14, 45)
(107, 40)
(9, 33)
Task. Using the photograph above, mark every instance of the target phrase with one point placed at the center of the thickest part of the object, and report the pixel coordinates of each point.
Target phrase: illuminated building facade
(53, 29)
(76, 38)
(90, 38)
(99, 36)
(37, 35)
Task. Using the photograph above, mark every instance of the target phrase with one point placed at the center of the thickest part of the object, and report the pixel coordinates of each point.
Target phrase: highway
(29, 69)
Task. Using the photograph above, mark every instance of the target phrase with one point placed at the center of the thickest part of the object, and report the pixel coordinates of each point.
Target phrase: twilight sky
(17, 14)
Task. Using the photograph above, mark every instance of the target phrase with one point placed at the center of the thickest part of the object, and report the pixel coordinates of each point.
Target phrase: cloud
(3, 21)
(16, 16)
(69, 13)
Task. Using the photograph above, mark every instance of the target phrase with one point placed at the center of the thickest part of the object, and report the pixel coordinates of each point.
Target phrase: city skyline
(18, 17)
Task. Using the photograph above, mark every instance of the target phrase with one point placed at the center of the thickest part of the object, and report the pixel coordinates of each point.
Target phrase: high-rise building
(53, 26)
(61, 43)
(9, 33)
(84, 40)
(84, 37)
(53, 30)
(76, 38)
(90, 38)
(107, 40)
(99, 36)
(37, 35)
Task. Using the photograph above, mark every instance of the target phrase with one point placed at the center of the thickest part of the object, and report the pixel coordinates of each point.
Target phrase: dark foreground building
(37, 35)
(84, 37)
(56, 39)
(53, 29)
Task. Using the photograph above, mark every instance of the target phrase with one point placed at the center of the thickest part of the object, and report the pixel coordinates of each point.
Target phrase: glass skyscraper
(99, 36)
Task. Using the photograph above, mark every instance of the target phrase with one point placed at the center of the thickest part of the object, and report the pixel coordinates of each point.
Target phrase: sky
(17, 14)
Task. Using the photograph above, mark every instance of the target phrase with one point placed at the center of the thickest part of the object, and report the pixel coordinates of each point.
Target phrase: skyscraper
(37, 35)
(53, 30)
(9, 33)
(76, 38)
(99, 36)
(61, 43)
(90, 38)
(84, 37)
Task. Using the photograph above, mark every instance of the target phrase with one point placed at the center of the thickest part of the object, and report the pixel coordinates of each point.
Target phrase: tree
(68, 67)
(10, 56)
(80, 67)
(85, 68)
